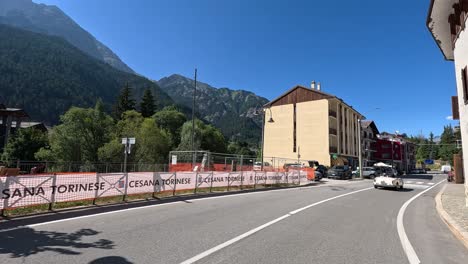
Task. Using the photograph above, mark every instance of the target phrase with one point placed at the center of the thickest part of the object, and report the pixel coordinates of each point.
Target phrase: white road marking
(415, 186)
(407, 247)
(255, 230)
(420, 183)
(408, 181)
(431, 183)
(169, 203)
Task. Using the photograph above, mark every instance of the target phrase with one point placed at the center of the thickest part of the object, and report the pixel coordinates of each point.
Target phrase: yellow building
(311, 125)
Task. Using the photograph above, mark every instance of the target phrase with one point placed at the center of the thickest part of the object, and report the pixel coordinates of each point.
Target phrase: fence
(209, 161)
(50, 189)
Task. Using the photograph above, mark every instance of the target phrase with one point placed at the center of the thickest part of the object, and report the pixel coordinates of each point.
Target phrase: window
(386, 146)
(385, 155)
(464, 85)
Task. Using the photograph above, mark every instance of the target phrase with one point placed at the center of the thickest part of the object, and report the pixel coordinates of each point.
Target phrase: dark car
(323, 170)
(342, 172)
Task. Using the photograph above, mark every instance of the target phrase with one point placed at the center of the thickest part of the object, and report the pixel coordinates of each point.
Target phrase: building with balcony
(447, 21)
(396, 151)
(369, 132)
(311, 125)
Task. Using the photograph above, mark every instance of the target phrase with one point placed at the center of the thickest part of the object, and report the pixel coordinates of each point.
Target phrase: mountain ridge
(51, 20)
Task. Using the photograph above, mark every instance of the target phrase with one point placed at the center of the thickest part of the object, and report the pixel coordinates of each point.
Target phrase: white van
(446, 168)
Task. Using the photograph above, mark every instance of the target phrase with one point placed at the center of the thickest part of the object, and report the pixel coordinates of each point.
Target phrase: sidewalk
(451, 207)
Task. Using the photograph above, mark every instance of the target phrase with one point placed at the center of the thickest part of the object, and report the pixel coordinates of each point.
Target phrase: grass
(43, 208)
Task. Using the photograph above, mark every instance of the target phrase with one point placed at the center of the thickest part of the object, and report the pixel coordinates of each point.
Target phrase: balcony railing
(333, 149)
(333, 131)
(332, 113)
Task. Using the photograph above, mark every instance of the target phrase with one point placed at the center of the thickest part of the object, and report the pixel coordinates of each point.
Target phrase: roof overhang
(438, 25)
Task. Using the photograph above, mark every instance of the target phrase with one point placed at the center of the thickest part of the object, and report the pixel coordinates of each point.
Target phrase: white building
(447, 20)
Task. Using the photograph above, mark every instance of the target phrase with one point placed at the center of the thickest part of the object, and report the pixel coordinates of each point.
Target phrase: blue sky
(372, 54)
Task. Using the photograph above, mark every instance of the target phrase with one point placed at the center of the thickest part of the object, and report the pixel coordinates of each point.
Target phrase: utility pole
(193, 121)
(263, 137)
(360, 149)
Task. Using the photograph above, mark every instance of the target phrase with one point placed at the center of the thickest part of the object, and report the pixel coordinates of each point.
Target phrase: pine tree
(147, 106)
(448, 144)
(125, 102)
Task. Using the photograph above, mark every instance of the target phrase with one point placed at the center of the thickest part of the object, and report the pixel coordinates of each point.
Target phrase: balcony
(333, 131)
(332, 113)
(333, 150)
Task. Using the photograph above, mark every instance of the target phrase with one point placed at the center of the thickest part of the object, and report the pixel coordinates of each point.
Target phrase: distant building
(395, 151)
(12, 119)
(447, 21)
(369, 134)
(309, 124)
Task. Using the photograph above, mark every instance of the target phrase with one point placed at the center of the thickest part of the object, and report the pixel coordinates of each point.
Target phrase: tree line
(89, 135)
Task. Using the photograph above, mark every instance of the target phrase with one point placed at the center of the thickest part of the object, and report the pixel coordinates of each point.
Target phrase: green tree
(79, 136)
(207, 137)
(128, 126)
(171, 120)
(125, 102)
(147, 106)
(240, 148)
(448, 147)
(24, 144)
(152, 143)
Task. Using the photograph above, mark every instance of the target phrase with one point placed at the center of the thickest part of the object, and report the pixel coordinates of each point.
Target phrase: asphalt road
(336, 223)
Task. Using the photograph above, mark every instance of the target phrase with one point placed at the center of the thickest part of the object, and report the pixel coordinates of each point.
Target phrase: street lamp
(263, 131)
(360, 149)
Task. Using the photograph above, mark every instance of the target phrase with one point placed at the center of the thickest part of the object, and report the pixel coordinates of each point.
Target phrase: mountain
(233, 111)
(51, 20)
(46, 75)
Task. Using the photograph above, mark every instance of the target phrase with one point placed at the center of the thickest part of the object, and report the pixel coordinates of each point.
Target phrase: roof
(438, 25)
(13, 112)
(315, 95)
(371, 124)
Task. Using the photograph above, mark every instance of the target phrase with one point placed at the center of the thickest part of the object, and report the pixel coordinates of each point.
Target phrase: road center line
(255, 230)
(407, 247)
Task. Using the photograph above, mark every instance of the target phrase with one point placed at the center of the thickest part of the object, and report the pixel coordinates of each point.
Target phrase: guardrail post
(5, 201)
(211, 185)
(255, 180)
(196, 183)
(97, 189)
(175, 184)
(54, 191)
(125, 187)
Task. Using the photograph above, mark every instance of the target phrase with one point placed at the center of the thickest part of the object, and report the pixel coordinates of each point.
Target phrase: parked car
(318, 175)
(418, 171)
(341, 172)
(388, 182)
(446, 168)
(323, 170)
(367, 172)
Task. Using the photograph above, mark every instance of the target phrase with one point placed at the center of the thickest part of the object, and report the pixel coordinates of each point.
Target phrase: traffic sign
(429, 162)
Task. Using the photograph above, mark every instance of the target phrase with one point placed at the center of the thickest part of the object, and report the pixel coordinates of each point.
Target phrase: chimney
(319, 87)
(312, 85)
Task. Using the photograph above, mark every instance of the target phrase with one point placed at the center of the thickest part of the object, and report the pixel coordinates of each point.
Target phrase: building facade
(308, 124)
(369, 134)
(395, 151)
(447, 21)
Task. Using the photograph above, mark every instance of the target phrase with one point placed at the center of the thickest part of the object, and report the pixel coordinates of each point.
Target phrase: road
(344, 222)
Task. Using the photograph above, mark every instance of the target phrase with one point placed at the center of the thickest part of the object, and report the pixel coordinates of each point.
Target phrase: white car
(388, 182)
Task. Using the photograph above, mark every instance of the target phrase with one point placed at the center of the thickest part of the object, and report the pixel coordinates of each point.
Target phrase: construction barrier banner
(27, 190)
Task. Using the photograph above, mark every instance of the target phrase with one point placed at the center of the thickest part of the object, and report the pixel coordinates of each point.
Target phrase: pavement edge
(452, 225)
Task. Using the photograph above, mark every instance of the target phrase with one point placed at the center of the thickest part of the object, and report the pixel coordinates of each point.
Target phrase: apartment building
(369, 132)
(447, 20)
(312, 125)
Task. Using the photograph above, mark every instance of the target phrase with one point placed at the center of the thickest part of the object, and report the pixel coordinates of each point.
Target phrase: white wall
(461, 61)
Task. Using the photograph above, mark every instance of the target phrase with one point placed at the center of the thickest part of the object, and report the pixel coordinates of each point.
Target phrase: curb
(452, 225)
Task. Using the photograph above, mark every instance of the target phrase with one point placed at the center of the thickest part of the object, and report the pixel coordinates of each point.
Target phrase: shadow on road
(420, 176)
(110, 260)
(394, 190)
(26, 241)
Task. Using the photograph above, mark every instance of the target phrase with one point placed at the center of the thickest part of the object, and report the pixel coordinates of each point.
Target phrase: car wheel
(372, 176)
(376, 187)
